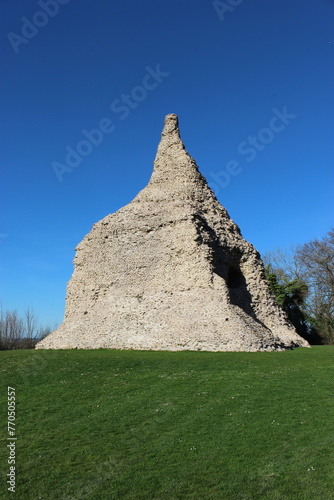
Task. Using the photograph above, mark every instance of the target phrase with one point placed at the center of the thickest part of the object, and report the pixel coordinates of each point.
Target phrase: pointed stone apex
(171, 125)
(171, 133)
(170, 143)
(175, 173)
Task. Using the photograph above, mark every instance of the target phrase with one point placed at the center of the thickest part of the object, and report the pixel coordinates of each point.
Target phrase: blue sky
(226, 70)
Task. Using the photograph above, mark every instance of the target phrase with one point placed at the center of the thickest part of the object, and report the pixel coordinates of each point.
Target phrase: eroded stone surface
(170, 271)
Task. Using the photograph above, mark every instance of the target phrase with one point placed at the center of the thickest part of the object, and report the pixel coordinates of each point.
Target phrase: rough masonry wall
(170, 271)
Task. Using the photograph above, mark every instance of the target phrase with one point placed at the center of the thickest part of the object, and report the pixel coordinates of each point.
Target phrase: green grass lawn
(108, 424)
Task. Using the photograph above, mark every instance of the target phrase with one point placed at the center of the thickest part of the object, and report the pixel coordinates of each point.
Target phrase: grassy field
(110, 425)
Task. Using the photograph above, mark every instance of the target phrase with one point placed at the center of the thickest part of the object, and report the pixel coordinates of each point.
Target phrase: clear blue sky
(223, 73)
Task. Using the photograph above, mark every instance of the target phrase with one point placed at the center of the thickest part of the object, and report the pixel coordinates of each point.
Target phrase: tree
(291, 297)
(317, 261)
(30, 323)
(20, 332)
(311, 264)
(11, 329)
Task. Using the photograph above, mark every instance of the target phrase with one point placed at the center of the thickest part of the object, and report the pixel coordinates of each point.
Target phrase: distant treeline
(20, 331)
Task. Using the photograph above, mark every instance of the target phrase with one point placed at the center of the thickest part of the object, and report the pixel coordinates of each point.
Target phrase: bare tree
(20, 332)
(11, 329)
(30, 323)
(317, 261)
(284, 264)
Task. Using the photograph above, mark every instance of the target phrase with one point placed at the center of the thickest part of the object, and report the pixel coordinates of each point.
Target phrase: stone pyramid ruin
(171, 271)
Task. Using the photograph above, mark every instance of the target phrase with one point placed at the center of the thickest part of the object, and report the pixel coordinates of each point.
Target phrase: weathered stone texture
(170, 271)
